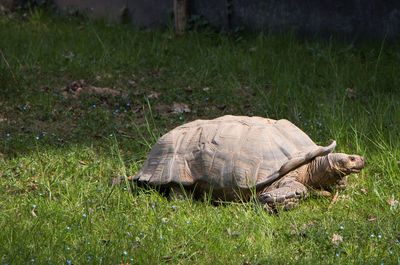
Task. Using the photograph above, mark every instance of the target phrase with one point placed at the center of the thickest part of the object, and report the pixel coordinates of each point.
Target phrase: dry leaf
(179, 108)
(333, 199)
(232, 233)
(116, 180)
(33, 186)
(302, 229)
(351, 93)
(253, 49)
(77, 87)
(131, 177)
(33, 213)
(305, 226)
(337, 239)
(103, 91)
(364, 191)
(70, 55)
(134, 247)
(372, 218)
(393, 203)
(132, 82)
(153, 95)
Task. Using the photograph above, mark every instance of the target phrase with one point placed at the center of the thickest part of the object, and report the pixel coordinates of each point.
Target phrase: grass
(60, 148)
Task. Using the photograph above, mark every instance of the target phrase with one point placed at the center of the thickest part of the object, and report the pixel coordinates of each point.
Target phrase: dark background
(366, 19)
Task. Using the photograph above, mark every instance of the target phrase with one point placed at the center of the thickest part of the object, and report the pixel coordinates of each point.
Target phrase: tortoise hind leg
(177, 192)
(285, 194)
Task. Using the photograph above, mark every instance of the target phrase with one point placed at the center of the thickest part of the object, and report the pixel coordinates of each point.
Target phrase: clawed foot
(342, 184)
(322, 193)
(282, 198)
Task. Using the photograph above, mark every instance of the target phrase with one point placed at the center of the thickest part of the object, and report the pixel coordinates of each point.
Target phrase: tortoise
(233, 157)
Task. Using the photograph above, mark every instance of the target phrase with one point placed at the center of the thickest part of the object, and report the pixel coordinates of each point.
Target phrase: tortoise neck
(320, 173)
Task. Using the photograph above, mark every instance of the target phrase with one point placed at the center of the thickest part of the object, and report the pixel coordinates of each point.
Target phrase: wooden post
(180, 13)
(7, 4)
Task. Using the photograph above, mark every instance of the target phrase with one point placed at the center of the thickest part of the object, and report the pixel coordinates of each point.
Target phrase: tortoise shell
(229, 152)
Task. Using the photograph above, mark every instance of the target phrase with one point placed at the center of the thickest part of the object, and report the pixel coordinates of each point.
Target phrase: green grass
(60, 152)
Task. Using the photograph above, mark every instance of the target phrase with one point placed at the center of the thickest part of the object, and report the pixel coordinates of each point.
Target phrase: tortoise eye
(352, 158)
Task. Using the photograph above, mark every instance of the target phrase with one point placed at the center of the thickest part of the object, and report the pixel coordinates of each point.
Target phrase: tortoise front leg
(283, 195)
(342, 183)
(327, 192)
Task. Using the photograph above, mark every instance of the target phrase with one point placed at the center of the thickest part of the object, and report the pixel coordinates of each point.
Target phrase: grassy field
(82, 102)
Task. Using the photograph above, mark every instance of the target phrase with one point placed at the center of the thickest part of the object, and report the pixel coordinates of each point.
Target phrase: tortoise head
(346, 164)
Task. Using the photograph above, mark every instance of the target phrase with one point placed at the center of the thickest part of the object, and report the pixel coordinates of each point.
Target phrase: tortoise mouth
(359, 166)
(357, 169)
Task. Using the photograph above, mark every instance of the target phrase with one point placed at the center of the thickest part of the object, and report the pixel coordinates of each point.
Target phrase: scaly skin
(322, 172)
